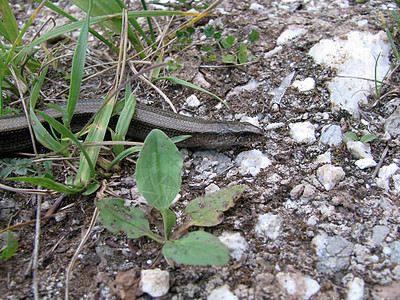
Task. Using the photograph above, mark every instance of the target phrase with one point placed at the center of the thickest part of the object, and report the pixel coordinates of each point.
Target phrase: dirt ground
(254, 275)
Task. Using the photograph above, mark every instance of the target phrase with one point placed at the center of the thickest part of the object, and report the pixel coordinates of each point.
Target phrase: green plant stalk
(153, 37)
(389, 34)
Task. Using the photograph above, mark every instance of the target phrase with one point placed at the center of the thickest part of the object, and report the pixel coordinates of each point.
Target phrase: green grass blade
(64, 131)
(191, 85)
(68, 16)
(78, 64)
(123, 123)
(10, 23)
(19, 38)
(93, 21)
(122, 155)
(394, 48)
(96, 134)
(50, 184)
(42, 135)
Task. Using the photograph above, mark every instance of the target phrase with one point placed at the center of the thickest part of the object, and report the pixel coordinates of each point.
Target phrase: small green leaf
(254, 36)
(190, 31)
(351, 135)
(367, 138)
(229, 59)
(209, 31)
(197, 248)
(242, 53)
(12, 245)
(207, 210)
(217, 35)
(169, 220)
(158, 170)
(117, 217)
(228, 42)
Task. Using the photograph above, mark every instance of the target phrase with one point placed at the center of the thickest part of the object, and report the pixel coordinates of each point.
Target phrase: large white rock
(354, 56)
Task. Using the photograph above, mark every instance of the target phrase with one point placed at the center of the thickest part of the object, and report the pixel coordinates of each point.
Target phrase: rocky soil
(320, 215)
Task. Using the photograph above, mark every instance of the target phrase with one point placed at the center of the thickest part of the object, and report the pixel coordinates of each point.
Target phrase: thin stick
(35, 270)
(380, 163)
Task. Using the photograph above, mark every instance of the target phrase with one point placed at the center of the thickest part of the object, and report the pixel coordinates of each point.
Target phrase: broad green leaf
(351, 135)
(12, 245)
(197, 248)
(207, 210)
(50, 184)
(367, 138)
(158, 170)
(117, 217)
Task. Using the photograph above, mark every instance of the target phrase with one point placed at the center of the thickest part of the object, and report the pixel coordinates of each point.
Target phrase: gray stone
(333, 253)
(379, 234)
(331, 135)
(395, 256)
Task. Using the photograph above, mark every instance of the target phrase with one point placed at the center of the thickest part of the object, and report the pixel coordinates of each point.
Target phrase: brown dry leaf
(126, 284)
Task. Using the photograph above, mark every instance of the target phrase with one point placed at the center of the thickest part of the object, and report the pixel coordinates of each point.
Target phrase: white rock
(304, 85)
(193, 101)
(355, 289)
(201, 81)
(289, 34)
(269, 225)
(384, 175)
(396, 181)
(257, 7)
(362, 23)
(235, 243)
(274, 126)
(222, 293)
(298, 285)
(353, 55)
(325, 158)
(303, 132)
(250, 86)
(154, 282)
(251, 162)
(365, 163)
(359, 149)
(331, 135)
(251, 120)
(212, 188)
(330, 175)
